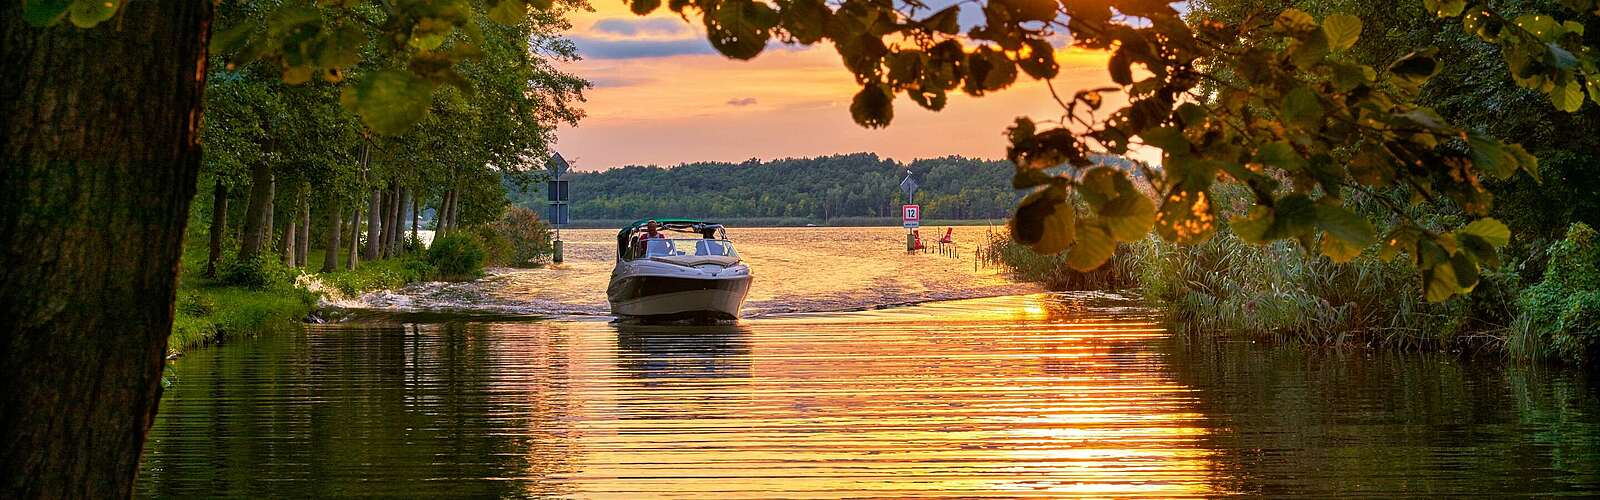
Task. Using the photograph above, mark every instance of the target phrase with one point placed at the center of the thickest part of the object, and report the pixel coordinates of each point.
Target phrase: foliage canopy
(1266, 101)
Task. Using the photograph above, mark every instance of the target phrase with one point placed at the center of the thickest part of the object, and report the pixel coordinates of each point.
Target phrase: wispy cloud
(600, 48)
(742, 101)
(653, 27)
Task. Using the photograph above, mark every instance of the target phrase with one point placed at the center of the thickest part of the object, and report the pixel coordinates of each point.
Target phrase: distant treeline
(840, 188)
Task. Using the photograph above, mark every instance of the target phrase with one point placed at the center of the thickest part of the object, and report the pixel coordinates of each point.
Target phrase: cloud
(742, 101)
(597, 48)
(648, 27)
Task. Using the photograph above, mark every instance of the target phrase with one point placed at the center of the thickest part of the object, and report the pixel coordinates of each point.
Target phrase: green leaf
(1345, 225)
(1094, 247)
(1040, 63)
(1490, 156)
(739, 28)
(1126, 213)
(1254, 226)
(643, 7)
(389, 101)
(945, 21)
(1480, 249)
(88, 13)
(1415, 68)
(1045, 221)
(1567, 96)
(1301, 106)
(1492, 231)
(1293, 20)
(1279, 154)
(1308, 49)
(1294, 215)
(512, 12)
(44, 12)
(1340, 251)
(873, 106)
(1169, 139)
(1342, 30)
(1445, 8)
(1440, 282)
(1543, 27)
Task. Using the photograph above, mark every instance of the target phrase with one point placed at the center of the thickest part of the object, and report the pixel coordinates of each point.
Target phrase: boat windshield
(662, 247)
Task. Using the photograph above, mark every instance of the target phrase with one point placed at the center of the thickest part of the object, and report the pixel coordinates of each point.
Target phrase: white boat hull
(683, 293)
(715, 303)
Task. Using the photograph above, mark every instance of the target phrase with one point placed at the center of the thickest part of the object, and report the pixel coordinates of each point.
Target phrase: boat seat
(695, 260)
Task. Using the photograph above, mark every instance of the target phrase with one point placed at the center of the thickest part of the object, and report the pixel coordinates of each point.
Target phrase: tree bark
(289, 232)
(441, 220)
(219, 226)
(304, 239)
(414, 216)
(397, 226)
(355, 237)
(257, 232)
(386, 241)
(330, 255)
(374, 224)
(99, 155)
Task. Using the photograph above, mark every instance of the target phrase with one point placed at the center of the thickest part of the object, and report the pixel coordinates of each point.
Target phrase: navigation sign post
(557, 195)
(911, 215)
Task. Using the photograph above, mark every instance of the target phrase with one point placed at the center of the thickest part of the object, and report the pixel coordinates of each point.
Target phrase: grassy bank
(1541, 306)
(209, 310)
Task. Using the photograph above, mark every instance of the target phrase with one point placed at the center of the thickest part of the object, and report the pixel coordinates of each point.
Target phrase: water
(1008, 395)
(795, 269)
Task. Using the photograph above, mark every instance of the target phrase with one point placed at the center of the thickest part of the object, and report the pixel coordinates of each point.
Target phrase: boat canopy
(670, 224)
(678, 224)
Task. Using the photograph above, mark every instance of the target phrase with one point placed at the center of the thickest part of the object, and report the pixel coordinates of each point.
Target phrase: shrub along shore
(1542, 304)
(264, 295)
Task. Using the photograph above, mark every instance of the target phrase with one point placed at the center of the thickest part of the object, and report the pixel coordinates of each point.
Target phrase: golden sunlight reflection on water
(1052, 401)
(795, 269)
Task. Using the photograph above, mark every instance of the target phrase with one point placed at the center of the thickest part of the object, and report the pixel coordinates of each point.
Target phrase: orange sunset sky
(662, 96)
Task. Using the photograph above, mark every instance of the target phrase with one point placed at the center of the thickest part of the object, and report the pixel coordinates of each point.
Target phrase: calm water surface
(1011, 394)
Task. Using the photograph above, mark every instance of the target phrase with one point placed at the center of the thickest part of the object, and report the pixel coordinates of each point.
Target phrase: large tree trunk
(388, 223)
(289, 232)
(415, 206)
(355, 237)
(99, 154)
(374, 224)
(257, 233)
(330, 255)
(219, 226)
(303, 241)
(398, 204)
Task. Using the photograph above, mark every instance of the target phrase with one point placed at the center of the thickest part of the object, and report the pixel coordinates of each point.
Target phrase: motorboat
(677, 269)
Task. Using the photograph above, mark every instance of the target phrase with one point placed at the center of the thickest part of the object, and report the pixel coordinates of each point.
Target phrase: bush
(379, 275)
(519, 239)
(457, 256)
(263, 272)
(1563, 310)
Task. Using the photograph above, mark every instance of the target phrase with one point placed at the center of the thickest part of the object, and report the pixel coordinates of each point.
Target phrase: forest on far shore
(818, 189)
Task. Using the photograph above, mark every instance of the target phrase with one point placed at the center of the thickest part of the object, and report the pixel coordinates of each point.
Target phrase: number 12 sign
(911, 215)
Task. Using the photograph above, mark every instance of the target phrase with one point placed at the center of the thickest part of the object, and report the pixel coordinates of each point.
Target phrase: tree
(100, 158)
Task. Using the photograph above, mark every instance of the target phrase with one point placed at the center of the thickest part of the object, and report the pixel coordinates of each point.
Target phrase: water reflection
(1033, 395)
(1296, 422)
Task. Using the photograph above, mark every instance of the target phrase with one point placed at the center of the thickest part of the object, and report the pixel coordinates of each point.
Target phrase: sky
(662, 96)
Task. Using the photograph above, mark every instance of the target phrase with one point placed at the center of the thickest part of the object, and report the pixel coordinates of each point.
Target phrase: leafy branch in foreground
(1267, 102)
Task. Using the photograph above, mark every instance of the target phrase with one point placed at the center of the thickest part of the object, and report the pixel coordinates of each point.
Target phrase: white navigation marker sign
(908, 185)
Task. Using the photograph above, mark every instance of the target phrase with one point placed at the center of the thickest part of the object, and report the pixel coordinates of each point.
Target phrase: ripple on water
(796, 270)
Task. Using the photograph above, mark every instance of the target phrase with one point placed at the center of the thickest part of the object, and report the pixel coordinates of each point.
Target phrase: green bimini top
(664, 222)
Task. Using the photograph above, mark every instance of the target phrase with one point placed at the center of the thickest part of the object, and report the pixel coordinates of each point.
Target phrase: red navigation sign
(911, 215)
